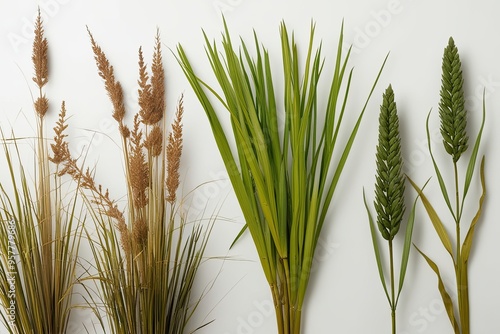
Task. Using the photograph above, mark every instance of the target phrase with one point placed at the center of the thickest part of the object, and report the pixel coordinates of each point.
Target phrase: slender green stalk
(393, 283)
(282, 169)
(453, 117)
(462, 298)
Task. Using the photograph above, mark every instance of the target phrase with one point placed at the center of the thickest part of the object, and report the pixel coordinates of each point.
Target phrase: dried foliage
(173, 154)
(40, 54)
(113, 87)
(145, 263)
(38, 255)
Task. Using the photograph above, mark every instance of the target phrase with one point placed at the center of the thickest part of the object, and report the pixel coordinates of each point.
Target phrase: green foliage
(453, 124)
(284, 174)
(389, 199)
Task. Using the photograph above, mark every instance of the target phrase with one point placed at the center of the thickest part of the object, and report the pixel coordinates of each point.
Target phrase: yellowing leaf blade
(467, 245)
(448, 303)
(436, 221)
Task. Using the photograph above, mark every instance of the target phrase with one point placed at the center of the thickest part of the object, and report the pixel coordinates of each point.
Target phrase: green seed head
(451, 106)
(389, 186)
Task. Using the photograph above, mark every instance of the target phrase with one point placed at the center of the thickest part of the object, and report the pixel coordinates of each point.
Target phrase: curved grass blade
(472, 161)
(448, 303)
(442, 184)
(376, 248)
(466, 247)
(407, 246)
(220, 137)
(238, 236)
(345, 154)
(436, 221)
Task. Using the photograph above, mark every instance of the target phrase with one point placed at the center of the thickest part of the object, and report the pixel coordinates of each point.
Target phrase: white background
(344, 294)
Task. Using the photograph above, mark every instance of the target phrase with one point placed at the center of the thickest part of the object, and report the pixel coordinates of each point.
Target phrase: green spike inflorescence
(389, 187)
(452, 110)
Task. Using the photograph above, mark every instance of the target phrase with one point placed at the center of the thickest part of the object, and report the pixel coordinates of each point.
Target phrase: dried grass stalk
(41, 232)
(145, 285)
(173, 153)
(40, 54)
(113, 87)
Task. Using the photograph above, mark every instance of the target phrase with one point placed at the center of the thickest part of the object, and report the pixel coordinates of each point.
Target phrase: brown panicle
(60, 146)
(173, 153)
(154, 141)
(140, 231)
(40, 63)
(157, 83)
(41, 105)
(144, 91)
(113, 87)
(139, 172)
(40, 54)
(86, 181)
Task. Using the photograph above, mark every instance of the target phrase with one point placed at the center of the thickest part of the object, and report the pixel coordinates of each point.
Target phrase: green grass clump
(284, 174)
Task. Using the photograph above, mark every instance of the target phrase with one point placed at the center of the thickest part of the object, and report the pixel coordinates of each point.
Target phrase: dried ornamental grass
(453, 117)
(38, 253)
(283, 175)
(146, 257)
(389, 200)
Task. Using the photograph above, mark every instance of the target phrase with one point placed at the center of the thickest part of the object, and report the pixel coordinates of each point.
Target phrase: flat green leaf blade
(472, 160)
(407, 244)
(345, 153)
(242, 193)
(448, 303)
(436, 221)
(406, 247)
(442, 185)
(243, 229)
(376, 249)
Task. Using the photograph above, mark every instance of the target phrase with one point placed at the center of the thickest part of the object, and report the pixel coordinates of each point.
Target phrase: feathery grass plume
(157, 84)
(139, 171)
(144, 92)
(174, 152)
(453, 118)
(40, 232)
(283, 175)
(144, 285)
(60, 151)
(154, 141)
(389, 199)
(41, 66)
(113, 87)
